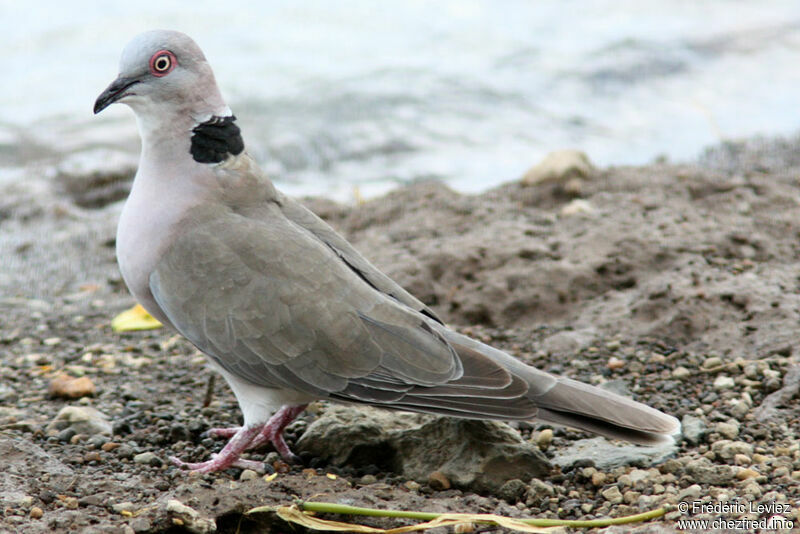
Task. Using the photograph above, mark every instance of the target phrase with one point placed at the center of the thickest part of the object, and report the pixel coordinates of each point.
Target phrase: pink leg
(243, 438)
(229, 454)
(273, 430)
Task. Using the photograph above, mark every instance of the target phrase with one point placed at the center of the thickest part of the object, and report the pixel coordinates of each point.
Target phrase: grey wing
(305, 218)
(277, 307)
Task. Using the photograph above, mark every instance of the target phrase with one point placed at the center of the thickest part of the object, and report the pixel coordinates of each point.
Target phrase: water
(334, 95)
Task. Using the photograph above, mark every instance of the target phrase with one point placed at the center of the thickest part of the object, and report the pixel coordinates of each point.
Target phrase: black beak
(113, 92)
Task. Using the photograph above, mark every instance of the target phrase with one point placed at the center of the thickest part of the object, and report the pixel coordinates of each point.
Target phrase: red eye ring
(162, 63)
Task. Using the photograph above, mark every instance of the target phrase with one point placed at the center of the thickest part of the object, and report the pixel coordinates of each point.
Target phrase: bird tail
(567, 402)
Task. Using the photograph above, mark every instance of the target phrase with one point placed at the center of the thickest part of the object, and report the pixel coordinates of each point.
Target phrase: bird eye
(162, 63)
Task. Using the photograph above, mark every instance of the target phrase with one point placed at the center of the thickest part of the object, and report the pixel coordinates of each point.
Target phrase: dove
(285, 309)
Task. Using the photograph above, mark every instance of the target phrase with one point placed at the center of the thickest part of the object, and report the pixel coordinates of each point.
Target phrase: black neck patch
(215, 139)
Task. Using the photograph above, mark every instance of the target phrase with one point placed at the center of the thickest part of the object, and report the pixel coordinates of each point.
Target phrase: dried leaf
(135, 318)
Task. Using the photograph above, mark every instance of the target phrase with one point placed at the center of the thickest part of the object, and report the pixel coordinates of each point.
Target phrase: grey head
(165, 78)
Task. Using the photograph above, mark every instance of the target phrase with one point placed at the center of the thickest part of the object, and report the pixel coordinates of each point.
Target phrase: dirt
(676, 283)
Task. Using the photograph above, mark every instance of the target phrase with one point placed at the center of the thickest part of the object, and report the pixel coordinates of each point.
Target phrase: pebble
(82, 419)
(248, 474)
(712, 362)
(681, 372)
(512, 491)
(615, 363)
(612, 495)
(36, 513)
(120, 507)
(544, 439)
(559, 167)
(690, 493)
(438, 481)
(694, 429)
(411, 485)
(728, 450)
(723, 382)
(147, 458)
(540, 488)
(728, 430)
(109, 446)
(745, 474)
(368, 479)
(704, 472)
(69, 387)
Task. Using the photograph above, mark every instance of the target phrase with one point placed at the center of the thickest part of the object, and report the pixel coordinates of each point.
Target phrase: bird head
(163, 73)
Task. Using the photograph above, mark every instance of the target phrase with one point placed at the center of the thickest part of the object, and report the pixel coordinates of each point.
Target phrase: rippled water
(337, 94)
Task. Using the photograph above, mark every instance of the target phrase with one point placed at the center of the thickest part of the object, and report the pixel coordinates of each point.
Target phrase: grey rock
(729, 430)
(512, 491)
(475, 455)
(81, 419)
(693, 428)
(559, 166)
(727, 449)
(25, 461)
(192, 520)
(147, 458)
(704, 472)
(606, 455)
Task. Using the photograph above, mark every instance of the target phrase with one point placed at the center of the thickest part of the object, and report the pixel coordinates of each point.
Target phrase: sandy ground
(676, 283)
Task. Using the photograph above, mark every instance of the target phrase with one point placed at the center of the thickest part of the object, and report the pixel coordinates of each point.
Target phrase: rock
(690, 493)
(727, 449)
(723, 382)
(36, 513)
(438, 481)
(512, 491)
(248, 474)
(190, 519)
(368, 479)
(540, 488)
(68, 387)
(25, 461)
(681, 372)
(81, 419)
(560, 167)
(568, 342)
(729, 430)
(577, 206)
(607, 456)
(544, 439)
(704, 472)
(147, 458)
(791, 387)
(612, 495)
(96, 177)
(475, 455)
(693, 428)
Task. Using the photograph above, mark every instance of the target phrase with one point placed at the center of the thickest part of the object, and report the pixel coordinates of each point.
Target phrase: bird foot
(243, 438)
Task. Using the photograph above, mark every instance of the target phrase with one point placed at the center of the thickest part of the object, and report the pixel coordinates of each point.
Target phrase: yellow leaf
(135, 318)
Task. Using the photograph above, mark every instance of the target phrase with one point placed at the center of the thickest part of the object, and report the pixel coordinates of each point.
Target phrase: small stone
(728, 430)
(52, 341)
(704, 472)
(438, 481)
(540, 488)
(190, 518)
(681, 372)
(82, 419)
(544, 439)
(744, 474)
(615, 363)
(36, 513)
(141, 524)
(690, 493)
(512, 491)
(368, 479)
(741, 459)
(109, 446)
(712, 362)
(796, 475)
(69, 387)
(247, 474)
(693, 428)
(599, 479)
(579, 206)
(727, 450)
(559, 167)
(412, 485)
(147, 458)
(723, 382)
(612, 495)
(120, 507)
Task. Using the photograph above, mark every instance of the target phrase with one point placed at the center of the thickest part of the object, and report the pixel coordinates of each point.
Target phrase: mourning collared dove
(283, 306)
